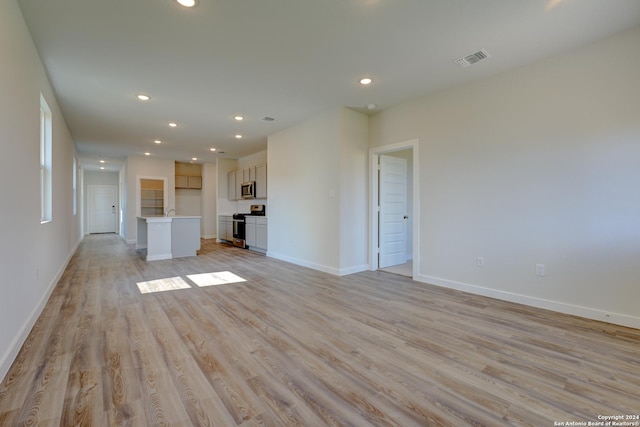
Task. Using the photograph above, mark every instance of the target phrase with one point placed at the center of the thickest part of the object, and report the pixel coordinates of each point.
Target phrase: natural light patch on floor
(214, 279)
(161, 285)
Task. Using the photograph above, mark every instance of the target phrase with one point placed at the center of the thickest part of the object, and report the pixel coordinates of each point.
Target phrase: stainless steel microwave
(248, 190)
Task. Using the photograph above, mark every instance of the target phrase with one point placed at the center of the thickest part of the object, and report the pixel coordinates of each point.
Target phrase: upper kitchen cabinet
(239, 181)
(257, 174)
(188, 176)
(231, 185)
(261, 181)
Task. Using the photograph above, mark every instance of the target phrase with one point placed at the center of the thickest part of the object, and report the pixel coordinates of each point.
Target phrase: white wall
(188, 201)
(353, 190)
(33, 255)
(537, 165)
(209, 195)
(252, 159)
(317, 192)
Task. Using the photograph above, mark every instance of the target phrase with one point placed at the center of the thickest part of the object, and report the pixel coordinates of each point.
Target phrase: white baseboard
(575, 310)
(354, 269)
(9, 356)
(209, 236)
(319, 267)
(159, 257)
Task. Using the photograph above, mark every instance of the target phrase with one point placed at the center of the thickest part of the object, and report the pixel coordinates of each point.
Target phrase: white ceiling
(288, 59)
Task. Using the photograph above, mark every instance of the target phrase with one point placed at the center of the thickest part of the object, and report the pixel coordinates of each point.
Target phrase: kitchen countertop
(168, 218)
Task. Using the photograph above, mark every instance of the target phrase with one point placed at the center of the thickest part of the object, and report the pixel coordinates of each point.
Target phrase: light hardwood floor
(293, 346)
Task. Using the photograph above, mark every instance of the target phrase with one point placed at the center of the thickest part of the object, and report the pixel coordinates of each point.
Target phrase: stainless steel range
(239, 224)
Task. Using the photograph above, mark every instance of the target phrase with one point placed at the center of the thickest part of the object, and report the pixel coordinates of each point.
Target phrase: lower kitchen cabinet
(225, 227)
(256, 232)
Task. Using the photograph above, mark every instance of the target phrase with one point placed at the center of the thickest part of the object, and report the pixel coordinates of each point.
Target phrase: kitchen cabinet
(257, 174)
(239, 181)
(261, 181)
(225, 227)
(256, 233)
(249, 174)
(191, 182)
(231, 185)
(188, 175)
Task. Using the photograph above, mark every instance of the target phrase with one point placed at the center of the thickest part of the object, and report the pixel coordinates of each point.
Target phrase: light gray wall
(317, 192)
(33, 255)
(537, 165)
(209, 224)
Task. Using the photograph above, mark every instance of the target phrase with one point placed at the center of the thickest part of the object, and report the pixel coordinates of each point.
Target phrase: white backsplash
(229, 207)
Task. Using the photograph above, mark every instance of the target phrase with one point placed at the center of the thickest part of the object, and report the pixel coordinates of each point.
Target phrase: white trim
(560, 307)
(9, 356)
(353, 269)
(411, 144)
(158, 257)
(319, 267)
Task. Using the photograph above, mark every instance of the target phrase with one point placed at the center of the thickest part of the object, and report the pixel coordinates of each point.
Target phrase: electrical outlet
(480, 262)
(540, 270)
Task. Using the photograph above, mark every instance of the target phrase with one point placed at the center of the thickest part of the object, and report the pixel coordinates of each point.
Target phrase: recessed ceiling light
(238, 136)
(194, 158)
(365, 81)
(101, 168)
(212, 149)
(173, 124)
(157, 141)
(103, 161)
(239, 118)
(143, 97)
(147, 154)
(187, 3)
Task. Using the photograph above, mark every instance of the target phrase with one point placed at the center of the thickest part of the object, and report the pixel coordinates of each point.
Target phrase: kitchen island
(167, 237)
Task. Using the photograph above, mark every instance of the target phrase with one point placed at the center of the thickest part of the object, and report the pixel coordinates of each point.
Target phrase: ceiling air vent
(469, 60)
(267, 119)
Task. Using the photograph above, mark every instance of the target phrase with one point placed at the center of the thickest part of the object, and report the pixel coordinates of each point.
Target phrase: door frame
(90, 207)
(374, 198)
(165, 194)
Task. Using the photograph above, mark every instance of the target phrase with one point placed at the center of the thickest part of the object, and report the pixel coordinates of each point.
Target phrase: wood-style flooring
(296, 347)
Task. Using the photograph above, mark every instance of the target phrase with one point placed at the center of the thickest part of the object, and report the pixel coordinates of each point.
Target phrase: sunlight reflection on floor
(202, 280)
(160, 285)
(214, 279)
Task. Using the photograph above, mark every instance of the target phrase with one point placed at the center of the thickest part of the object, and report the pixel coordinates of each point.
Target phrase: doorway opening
(151, 196)
(395, 209)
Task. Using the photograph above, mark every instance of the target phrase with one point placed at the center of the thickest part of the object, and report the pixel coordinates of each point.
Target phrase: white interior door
(102, 212)
(393, 211)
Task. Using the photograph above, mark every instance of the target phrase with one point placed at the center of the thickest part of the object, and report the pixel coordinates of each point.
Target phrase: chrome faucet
(167, 211)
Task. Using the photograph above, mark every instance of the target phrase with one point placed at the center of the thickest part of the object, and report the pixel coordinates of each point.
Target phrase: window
(45, 162)
(75, 186)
